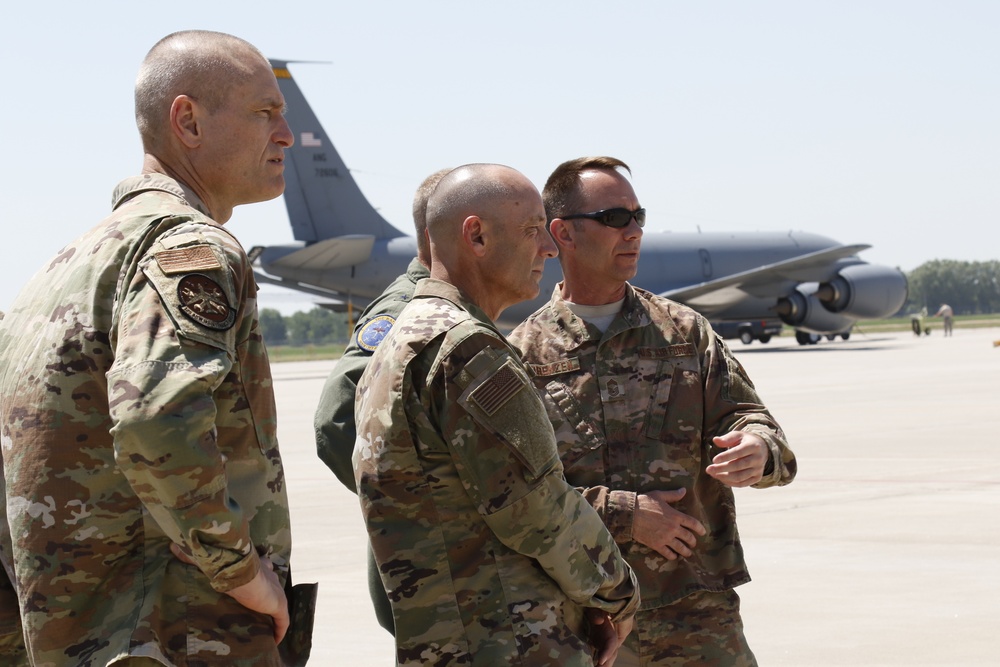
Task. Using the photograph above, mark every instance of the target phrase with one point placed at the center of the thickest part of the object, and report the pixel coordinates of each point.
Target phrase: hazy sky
(868, 121)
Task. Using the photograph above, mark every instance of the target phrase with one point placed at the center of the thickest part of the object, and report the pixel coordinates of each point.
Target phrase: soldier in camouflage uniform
(334, 420)
(655, 420)
(488, 556)
(145, 496)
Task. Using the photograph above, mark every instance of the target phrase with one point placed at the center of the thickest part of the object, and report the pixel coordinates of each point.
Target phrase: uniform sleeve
(334, 422)
(506, 457)
(577, 434)
(178, 328)
(732, 404)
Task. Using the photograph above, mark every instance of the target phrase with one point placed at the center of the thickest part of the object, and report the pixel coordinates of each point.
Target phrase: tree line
(970, 288)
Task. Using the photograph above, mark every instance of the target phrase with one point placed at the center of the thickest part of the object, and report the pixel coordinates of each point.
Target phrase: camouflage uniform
(334, 422)
(488, 555)
(137, 410)
(335, 426)
(635, 410)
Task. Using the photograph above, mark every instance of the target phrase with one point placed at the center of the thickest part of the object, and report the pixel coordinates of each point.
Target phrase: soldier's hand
(668, 531)
(743, 460)
(605, 636)
(263, 594)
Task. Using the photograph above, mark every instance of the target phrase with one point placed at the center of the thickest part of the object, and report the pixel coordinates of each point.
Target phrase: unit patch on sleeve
(203, 301)
(374, 331)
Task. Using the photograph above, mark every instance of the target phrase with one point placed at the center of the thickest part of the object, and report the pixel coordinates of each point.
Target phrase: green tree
(970, 288)
(318, 326)
(272, 326)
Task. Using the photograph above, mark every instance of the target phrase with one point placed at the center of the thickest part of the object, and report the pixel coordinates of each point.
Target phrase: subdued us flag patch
(184, 260)
(497, 390)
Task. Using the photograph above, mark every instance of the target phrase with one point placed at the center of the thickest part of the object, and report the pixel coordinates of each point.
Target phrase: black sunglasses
(613, 217)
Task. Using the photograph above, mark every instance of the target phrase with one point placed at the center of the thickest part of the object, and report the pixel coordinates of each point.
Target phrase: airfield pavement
(884, 551)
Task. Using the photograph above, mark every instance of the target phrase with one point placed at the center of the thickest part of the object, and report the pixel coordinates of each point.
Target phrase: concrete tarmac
(884, 551)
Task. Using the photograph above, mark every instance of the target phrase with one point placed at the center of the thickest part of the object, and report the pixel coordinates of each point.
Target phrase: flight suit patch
(185, 260)
(374, 332)
(203, 301)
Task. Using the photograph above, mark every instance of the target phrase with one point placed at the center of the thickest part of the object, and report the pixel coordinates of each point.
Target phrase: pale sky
(869, 121)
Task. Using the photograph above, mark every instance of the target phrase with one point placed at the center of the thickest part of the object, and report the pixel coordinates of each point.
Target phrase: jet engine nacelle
(864, 291)
(803, 310)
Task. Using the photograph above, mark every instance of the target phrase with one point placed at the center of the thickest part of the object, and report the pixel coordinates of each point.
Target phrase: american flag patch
(497, 390)
(186, 260)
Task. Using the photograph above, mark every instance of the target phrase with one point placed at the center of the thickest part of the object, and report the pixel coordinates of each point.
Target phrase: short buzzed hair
(561, 192)
(423, 193)
(202, 64)
(472, 189)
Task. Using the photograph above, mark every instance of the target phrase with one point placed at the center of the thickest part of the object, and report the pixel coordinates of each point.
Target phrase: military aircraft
(347, 253)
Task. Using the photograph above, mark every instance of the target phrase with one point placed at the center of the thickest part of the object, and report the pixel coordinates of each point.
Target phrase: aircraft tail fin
(321, 196)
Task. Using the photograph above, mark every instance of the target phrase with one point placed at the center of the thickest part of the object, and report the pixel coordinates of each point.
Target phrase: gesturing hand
(743, 460)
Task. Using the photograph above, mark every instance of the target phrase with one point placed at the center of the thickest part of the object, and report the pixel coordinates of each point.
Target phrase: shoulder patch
(191, 258)
(374, 331)
(497, 389)
(203, 301)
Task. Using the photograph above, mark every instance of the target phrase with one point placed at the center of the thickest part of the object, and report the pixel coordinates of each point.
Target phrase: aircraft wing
(334, 253)
(767, 280)
(335, 301)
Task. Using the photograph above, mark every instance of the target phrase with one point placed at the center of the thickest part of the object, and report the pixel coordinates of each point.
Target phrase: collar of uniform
(136, 185)
(432, 287)
(633, 314)
(417, 271)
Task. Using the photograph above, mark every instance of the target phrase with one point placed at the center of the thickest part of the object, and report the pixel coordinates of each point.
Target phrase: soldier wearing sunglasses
(655, 422)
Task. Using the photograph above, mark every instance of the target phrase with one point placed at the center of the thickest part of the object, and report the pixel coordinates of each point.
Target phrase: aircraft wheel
(845, 335)
(764, 338)
(803, 338)
(831, 336)
(746, 337)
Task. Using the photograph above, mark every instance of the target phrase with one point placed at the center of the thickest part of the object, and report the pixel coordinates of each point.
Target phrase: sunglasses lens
(617, 218)
(620, 217)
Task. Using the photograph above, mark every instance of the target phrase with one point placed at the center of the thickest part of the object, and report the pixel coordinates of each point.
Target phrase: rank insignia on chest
(612, 388)
(374, 332)
(203, 301)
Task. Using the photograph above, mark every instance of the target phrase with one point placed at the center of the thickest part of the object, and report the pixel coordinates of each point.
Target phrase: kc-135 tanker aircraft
(345, 251)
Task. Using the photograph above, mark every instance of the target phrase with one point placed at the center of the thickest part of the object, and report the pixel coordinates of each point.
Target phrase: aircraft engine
(864, 291)
(803, 310)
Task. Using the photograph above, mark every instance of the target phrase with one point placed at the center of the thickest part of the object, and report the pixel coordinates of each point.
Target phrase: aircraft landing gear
(806, 338)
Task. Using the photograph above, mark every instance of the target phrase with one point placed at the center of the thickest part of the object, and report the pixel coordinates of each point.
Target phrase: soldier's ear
(185, 117)
(473, 235)
(562, 233)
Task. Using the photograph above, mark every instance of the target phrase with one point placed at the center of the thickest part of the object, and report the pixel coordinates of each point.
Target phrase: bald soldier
(488, 556)
(144, 489)
(334, 420)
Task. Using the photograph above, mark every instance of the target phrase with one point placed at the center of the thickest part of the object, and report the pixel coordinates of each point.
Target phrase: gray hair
(202, 64)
